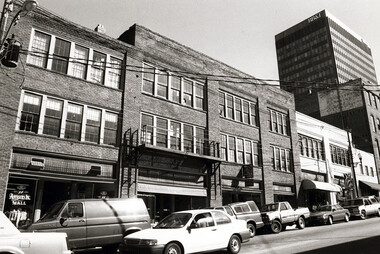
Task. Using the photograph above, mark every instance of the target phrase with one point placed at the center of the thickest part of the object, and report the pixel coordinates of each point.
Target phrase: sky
(239, 33)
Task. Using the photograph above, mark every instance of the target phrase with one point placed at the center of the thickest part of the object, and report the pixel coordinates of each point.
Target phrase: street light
(13, 46)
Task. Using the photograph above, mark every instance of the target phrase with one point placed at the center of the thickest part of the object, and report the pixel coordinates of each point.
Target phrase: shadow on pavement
(363, 246)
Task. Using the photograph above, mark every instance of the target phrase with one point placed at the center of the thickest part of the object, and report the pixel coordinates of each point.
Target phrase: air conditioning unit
(95, 170)
(36, 164)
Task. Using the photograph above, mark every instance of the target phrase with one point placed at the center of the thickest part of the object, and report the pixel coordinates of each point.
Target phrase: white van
(95, 222)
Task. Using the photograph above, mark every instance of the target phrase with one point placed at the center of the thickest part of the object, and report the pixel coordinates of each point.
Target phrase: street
(356, 236)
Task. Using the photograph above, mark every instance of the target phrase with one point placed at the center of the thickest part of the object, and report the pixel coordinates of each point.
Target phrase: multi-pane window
(373, 123)
(110, 129)
(98, 67)
(93, 125)
(199, 96)
(79, 66)
(281, 159)
(200, 140)
(239, 150)
(188, 93)
(222, 104)
(188, 141)
(254, 119)
(238, 110)
(147, 129)
(162, 132)
(246, 112)
(340, 155)
(230, 107)
(162, 84)
(30, 113)
(40, 49)
(175, 89)
(278, 122)
(53, 116)
(114, 73)
(61, 56)
(175, 135)
(43, 45)
(311, 147)
(148, 79)
(52, 111)
(74, 121)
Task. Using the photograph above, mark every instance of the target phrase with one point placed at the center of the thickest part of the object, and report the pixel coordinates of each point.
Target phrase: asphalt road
(353, 237)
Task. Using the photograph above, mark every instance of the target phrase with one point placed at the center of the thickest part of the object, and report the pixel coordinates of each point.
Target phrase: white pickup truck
(278, 215)
(16, 242)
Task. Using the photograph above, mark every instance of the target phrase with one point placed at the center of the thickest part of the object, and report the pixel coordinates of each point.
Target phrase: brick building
(87, 115)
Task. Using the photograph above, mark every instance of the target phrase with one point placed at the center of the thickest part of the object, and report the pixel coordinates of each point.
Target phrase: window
(40, 49)
(80, 62)
(110, 129)
(221, 218)
(147, 129)
(93, 125)
(256, 154)
(372, 171)
(366, 170)
(74, 121)
(162, 132)
(281, 159)
(222, 104)
(148, 79)
(114, 73)
(162, 84)
(248, 152)
(200, 140)
(278, 122)
(61, 56)
(53, 115)
(188, 93)
(199, 96)
(240, 150)
(339, 156)
(175, 135)
(176, 89)
(30, 114)
(188, 138)
(98, 67)
(246, 112)
(230, 107)
(238, 110)
(223, 147)
(231, 149)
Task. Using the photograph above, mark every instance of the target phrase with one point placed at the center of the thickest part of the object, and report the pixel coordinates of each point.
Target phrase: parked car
(247, 211)
(362, 207)
(14, 241)
(278, 215)
(95, 222)
(327, 214)
(189, 232)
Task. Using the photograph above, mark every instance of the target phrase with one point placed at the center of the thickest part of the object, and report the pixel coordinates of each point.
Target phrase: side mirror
(189, 229)
(63, 221)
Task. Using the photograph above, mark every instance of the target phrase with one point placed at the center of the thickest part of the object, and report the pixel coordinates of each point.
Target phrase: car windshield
(269, 208)
(52, 212)
(353, 202)
(174, 220)
(324, 208)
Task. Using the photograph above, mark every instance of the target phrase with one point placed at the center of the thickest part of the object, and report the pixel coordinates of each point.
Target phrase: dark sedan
(327, 214)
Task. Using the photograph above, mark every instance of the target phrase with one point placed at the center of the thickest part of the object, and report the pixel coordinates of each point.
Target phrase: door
(73, 223)
(287, 215)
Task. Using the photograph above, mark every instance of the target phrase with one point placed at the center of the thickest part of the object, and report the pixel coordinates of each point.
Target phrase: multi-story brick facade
(92, 116)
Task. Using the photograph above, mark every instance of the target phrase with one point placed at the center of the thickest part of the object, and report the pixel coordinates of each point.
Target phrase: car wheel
(301, 223)
(276, 227)
(363, 215)
(234, 245)
(252, 229)
(346, 218)
(172, 248)
(330, 220)
(378, 213)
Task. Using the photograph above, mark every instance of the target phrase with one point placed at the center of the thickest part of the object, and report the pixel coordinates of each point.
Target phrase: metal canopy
(373, 186)
(315, 185)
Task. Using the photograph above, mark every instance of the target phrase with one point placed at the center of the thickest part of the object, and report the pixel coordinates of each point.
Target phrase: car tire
(301, 223)
(110, 249)
(252, 229)
(234, 245)
(276, 227)
(378, 212)
(346, 218)
(330, 220)
(363, 215)
(172, 248)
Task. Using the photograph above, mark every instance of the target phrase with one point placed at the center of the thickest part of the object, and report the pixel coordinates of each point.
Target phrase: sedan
(189, 232)
(327, 214)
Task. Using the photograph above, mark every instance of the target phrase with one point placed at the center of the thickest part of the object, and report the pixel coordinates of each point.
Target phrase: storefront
(320, 193)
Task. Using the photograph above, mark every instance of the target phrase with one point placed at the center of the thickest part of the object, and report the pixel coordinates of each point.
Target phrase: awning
(315, 185)
(374, 186)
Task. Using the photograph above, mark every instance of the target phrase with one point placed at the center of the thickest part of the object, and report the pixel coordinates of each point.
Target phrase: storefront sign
(20, 197)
